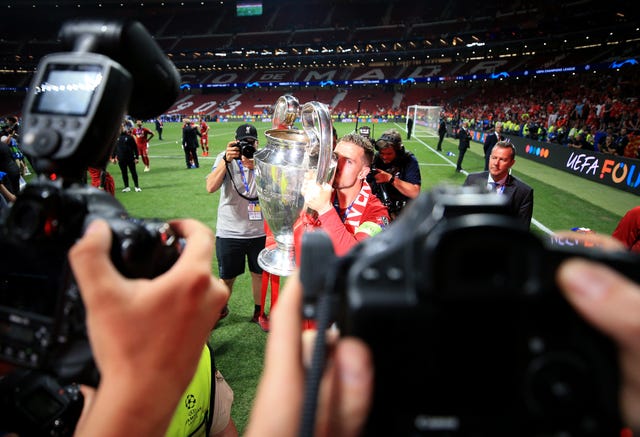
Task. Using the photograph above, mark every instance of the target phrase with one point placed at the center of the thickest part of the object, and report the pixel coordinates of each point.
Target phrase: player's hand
(316, 196)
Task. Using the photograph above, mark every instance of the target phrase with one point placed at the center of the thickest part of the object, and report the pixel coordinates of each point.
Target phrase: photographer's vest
(194, 412)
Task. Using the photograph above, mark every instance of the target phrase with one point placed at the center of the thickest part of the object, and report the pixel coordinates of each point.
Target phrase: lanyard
(336, 205)
(244, 178)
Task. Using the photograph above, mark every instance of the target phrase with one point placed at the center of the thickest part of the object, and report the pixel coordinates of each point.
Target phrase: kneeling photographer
(395, 174)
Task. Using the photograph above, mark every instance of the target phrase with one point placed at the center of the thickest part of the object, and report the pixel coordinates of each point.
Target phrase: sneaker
(126, 189)
(262, 321)
(147, 168)
(138, 189)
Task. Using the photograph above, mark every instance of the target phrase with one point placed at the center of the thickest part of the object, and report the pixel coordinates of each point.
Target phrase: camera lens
(248, 150)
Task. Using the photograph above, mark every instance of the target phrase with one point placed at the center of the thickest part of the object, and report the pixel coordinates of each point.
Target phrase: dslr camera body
(246, 148)
(394, 206)
(72, 116)
(469, 333)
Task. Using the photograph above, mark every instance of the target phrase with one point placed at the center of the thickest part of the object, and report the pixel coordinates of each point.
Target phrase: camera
(72, 116)
(42, 322)
(469, 333)
(394, 206)
(36, 404)
(247, 149)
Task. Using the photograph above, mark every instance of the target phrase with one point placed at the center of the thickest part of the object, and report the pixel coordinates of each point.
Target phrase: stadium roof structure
(204, 37)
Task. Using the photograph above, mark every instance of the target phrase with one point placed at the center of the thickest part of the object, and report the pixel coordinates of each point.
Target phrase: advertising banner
(614, 171)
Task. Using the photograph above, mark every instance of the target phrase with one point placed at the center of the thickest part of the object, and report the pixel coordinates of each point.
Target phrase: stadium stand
(413, 52)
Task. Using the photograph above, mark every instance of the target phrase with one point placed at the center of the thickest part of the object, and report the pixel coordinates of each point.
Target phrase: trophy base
(277, 261)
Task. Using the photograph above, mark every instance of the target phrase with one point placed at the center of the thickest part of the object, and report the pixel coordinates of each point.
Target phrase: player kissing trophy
(280, 171)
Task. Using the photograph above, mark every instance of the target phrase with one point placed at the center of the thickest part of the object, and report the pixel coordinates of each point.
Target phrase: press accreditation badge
(255, 212)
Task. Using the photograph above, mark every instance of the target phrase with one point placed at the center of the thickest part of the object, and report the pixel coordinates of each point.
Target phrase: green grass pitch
(169, 190)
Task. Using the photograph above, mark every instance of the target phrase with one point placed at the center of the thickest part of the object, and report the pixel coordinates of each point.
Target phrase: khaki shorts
(222, 405)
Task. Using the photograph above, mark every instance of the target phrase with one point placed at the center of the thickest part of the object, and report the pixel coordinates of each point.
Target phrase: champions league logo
(190, 401)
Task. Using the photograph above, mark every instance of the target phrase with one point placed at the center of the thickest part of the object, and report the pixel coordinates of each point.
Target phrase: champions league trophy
(280, 171)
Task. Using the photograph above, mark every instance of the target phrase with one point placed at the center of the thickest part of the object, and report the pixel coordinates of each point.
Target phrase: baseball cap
(246, 132)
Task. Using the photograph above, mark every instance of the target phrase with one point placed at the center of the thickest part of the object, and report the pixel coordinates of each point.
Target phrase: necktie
(495, 187)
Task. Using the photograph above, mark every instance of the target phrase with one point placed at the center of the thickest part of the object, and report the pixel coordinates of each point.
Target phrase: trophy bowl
(281, 167)
(280, 171)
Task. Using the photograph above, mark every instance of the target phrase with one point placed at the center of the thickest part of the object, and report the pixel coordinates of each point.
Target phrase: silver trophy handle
(316, 122)
(285, 112)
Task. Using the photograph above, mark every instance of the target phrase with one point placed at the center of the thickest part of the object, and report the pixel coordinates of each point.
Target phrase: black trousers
(460, 158)
(131, 166)
(191, 153)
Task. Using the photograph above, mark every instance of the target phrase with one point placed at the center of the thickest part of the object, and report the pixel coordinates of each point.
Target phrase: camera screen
(33, 293)
(67, 89)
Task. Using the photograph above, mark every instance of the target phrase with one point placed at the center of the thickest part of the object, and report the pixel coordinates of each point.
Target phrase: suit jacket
(465, 139)
(490, 141)
(519, 195)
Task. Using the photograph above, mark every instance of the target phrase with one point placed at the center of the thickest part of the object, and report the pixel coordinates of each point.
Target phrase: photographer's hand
(345, 391)
(611, 303)
(232, 151)
(146, 335)
(382, 177)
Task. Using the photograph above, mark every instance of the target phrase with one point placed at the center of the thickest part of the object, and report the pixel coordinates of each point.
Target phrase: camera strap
(244, 180)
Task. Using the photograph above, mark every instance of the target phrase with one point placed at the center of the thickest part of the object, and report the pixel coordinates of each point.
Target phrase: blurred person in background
(204, 137)
(125, 153)
(159, 127)
(464, 141)
(143, 136)
(190, 134)
(628, 230)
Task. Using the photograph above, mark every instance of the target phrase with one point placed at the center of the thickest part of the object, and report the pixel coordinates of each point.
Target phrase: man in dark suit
(442, 130)
(490, 141)
(499, 179)
(464, 138)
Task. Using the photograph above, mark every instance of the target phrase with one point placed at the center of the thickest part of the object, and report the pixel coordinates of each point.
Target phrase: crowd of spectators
(599, 113)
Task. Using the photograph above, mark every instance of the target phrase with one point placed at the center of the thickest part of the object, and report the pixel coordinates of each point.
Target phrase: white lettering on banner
(271, 76)
(225, 78)
(181, 105)
(231, 104)
(376, 73)
(316, 75)
(583, 163)
(426, 71)
(206, 107)
(487, 66)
